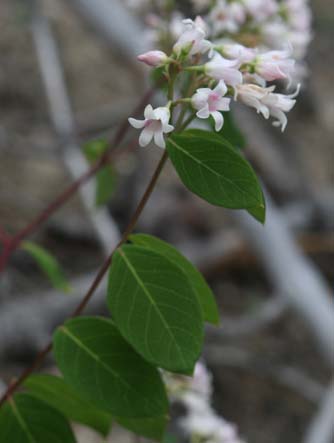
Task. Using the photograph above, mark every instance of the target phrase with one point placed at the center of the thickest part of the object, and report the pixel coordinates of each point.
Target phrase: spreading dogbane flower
(154, 126)
(192, 41)
(275, 65)
(220, 68)
(210, 102)
(266, 102)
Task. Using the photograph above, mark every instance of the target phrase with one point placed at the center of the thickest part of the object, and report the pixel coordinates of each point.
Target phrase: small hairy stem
(141, 205)
(13, 243)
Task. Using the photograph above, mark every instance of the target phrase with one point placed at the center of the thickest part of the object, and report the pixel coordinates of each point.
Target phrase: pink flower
(237, 52)
(266, 102)
(220, 68)
(192, 40)
(253, 96)
(279, 105)
(153, 58)
(274, 65)
(211, 102)
(155, 125)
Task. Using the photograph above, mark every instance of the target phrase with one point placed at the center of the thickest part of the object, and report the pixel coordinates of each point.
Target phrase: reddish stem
(5, 238)
(40, 357)
(11, 244)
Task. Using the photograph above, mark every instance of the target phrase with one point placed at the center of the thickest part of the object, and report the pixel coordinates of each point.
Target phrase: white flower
(220, 68)
(227, 16)
(204, 425)
(278, 105)
(210, 101)
(252, 95)
(155, 125)
(237, 52)
(298, 14)
(176, 26)
(266, 102)
(196, 403)
(192, 40)
(261, 9)
(153, 58)
(274, 65)
(275, 33)
(202, 380)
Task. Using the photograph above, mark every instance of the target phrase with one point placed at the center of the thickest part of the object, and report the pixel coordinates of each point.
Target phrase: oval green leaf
(98, 363)
(204, 294)
(153, 428)
(155, 308)
(25, 419)
(58, 394)
(214, 171)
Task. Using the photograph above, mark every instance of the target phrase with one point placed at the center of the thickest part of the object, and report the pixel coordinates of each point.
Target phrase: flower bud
(153, 58)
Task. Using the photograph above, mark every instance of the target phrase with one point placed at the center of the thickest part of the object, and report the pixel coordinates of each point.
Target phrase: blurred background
(273, 356)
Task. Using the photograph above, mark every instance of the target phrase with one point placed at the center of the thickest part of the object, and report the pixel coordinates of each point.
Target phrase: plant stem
(133, 221)
(183, 125)
(13, 243)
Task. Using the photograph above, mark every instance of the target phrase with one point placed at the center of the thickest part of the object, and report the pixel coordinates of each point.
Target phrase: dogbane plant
(116, 369)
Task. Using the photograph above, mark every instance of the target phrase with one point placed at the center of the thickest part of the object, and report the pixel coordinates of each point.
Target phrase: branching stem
(12, 244)
(12, 388)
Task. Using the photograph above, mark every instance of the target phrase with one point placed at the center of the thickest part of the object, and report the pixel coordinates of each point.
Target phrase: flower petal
(204, 112)
(159, 139)
(149, 112)
(219, 120)
(145, 137)
(138, 124)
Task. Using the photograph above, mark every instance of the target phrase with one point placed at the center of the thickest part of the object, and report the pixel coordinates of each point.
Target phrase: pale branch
(263, 316)
(292, 275)
(110, 20)
(321, 429)
(289, 377)
(62, 117)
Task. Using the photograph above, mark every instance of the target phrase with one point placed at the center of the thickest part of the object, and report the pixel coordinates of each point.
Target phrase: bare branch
(321, 429)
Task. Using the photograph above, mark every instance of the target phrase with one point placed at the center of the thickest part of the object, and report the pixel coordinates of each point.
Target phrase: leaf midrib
(151, 299)
(106, 367)
(204, 165)
(21, 421)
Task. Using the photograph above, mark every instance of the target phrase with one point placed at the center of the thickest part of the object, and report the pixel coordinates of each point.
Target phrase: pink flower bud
(153, 58)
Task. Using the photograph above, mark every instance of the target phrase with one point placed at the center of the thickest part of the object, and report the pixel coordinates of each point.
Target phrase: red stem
(11, 244)
(40, 357)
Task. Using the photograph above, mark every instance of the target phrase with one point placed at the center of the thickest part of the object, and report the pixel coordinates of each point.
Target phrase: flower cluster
(205, 75)
(271, 24)
(201, 422)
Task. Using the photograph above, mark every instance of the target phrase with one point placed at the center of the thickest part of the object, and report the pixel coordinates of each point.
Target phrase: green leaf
(215, 171)
(149, 427)
(106, 177)
(204, 294)
(170, 438)
(230, 131)
(25, 419)
(97, 362)
(58, 394)
(155, 308)
(48, 264)
(259, 213)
